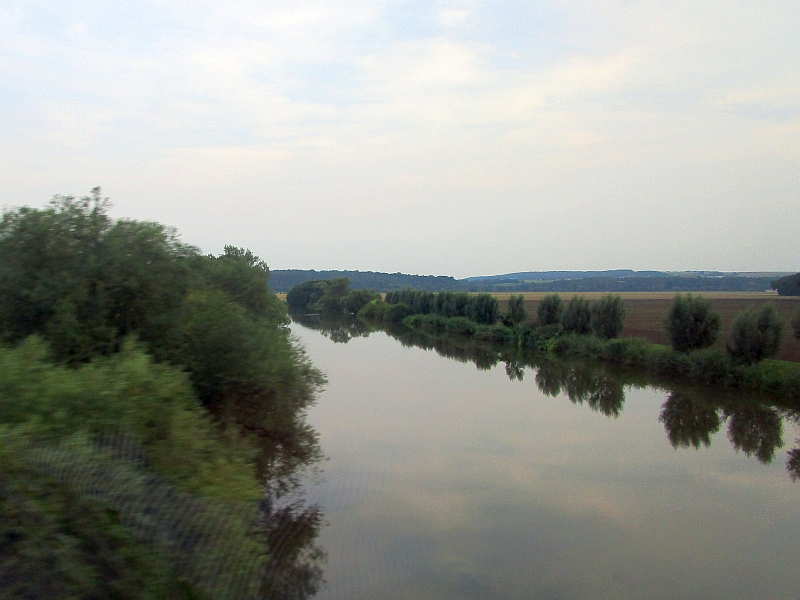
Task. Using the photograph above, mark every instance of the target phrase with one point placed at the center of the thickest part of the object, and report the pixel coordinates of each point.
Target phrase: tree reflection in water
(755, 430)
(294, 562)
(689, 421)
(691, 416)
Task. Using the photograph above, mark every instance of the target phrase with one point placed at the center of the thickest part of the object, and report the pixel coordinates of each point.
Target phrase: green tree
(788, 285)
(796, 323)
(608, 317)
(331, 302)
(692, 323)
(304, 296)
(756, 335)
(550, 309)
(577, 317)
(357, 299)
(516, 311)
(484, 309)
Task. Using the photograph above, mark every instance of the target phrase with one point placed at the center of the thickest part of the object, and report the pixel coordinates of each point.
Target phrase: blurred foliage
(692, 323)
(115, 327)
(756, 335)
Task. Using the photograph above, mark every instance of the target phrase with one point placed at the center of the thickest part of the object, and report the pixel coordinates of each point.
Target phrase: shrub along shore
(590, 330)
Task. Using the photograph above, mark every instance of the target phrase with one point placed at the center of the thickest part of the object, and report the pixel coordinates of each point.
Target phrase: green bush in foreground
(127, 392)
(549, 310)
(796, 323)
(608, 317)
(756, 335)
(516, 311)
(577, 317)
(60, 544)
(692, 323)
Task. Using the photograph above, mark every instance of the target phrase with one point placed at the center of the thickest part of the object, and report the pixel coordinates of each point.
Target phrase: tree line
(284, 281)
(117, 328)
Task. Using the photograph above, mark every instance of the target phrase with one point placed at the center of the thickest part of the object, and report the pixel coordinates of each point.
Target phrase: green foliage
(357, 299)
(397, 312)
(788, 285)
(61, 544)
(577, 317)
(373, 310)
(72, 275)
(329, 297)
(516, 311)
(549, 310)
(304, 296)
(608, 317)
(756, 335)
(796, 323)
(84, 282)
(483, 309)
(331, 301)
(692, 323)
(126, 392)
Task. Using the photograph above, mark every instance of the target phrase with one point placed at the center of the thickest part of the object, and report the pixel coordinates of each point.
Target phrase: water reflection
(690, 415)
(339, 329)
(689, 421)
(582, 383)
(294, 561)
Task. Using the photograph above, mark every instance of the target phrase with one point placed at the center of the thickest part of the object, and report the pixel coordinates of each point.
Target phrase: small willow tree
(692, 323)
(608, 316)
(577, 317)
(756, 335)
(516, 311)
(550, 309)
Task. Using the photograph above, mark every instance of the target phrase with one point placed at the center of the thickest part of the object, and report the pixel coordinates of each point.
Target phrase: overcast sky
(449, 138)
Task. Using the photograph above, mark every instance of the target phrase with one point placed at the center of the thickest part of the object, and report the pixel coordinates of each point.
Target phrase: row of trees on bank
(328, 296)
(604, 318)
(693, 324)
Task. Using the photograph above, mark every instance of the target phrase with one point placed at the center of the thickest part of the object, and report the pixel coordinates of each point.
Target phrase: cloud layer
(457, 138)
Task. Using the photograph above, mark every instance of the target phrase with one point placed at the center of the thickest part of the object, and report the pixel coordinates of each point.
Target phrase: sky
(454, 138)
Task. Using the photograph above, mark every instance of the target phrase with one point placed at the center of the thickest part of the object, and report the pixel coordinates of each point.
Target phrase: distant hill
(541, 281)
(557, 275)
(283, 281)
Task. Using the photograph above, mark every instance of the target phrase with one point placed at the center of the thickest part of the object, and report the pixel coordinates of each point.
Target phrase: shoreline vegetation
(152, 416)
(691, 413)
(580, 329)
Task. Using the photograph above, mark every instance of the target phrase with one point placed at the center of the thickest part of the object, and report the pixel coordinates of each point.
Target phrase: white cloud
(403, 121)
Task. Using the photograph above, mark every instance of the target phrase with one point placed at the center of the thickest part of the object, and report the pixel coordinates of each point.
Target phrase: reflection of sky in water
(449, 482)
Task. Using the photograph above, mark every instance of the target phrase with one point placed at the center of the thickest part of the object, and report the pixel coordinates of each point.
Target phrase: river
(444, 481)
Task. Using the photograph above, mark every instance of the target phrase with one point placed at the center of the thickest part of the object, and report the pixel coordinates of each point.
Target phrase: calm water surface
(446, 482)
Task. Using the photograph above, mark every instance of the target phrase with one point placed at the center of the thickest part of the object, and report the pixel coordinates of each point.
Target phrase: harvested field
(645, 313)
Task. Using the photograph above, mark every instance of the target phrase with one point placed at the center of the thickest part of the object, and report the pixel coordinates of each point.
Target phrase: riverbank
(710, 366)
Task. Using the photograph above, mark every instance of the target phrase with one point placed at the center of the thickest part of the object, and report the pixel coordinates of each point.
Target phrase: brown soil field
(645, 313)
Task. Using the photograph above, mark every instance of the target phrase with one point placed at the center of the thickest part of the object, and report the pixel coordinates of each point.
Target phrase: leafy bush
(483, 309)
(84, 282)
(796, 323)
(577, 317)
(516, 311)
(374, 310)
(692, 323)
(397, 312)
(549, 310)
(127, 392)
(788, 285)
(608, 317)
(358, 299)
(460, 326)
(756, 335)
(302, 297)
